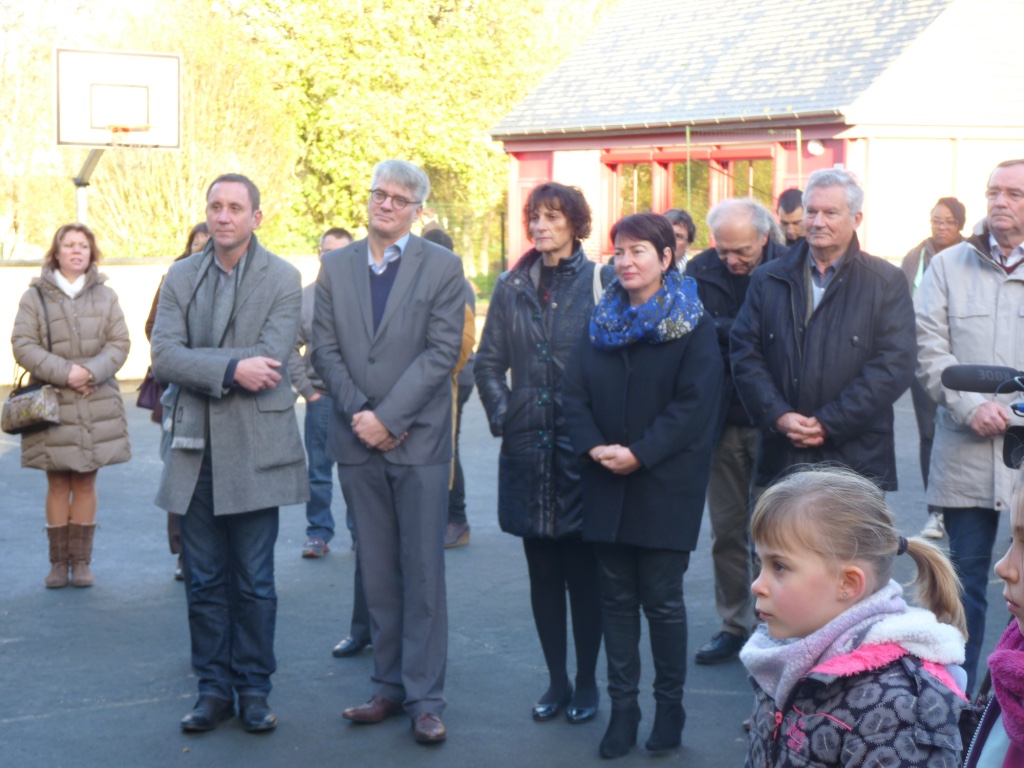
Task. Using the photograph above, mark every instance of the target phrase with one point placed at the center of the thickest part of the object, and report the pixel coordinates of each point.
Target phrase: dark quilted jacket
(897, 716)
(846, 365)
(539, 492)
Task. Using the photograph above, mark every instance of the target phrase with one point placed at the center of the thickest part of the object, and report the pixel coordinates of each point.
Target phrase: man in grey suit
(387, 328)
(226, 322)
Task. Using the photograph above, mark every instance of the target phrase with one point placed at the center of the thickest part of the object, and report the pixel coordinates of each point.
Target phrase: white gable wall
(965, 68)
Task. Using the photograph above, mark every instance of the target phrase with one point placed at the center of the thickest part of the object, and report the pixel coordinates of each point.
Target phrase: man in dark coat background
(824, 344)
(742, 229)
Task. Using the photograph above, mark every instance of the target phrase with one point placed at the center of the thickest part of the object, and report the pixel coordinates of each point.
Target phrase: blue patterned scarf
(669, 314)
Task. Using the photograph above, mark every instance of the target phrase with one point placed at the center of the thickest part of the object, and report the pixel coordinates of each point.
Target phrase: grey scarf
(209, 314)
(778, 665)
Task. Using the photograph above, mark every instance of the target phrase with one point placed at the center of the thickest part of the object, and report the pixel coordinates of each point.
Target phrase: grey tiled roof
(660, 63)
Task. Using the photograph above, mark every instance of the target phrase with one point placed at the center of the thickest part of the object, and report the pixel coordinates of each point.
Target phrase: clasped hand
(373, 434)
(802, 431)
(615, 458)
(78, 380)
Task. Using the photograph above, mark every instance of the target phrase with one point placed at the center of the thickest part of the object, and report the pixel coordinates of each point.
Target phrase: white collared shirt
(391, 253)
(1012, 259)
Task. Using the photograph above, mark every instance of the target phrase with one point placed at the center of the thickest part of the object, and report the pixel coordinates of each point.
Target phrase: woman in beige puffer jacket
(70, 332)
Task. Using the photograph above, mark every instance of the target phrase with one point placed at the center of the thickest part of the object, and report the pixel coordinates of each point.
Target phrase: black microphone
(983, 378)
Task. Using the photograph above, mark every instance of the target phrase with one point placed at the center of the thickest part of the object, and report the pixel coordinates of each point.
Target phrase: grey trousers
(730, 502)
(400, 514)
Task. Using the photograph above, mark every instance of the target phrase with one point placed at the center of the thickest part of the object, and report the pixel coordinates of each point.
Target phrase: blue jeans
(972, 534)
(232, 603)
(318, 508)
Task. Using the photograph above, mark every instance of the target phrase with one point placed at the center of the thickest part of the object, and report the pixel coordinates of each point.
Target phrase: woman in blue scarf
(642, 400)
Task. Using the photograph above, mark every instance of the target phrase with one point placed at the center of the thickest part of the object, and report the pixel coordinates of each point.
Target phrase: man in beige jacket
(968, 312)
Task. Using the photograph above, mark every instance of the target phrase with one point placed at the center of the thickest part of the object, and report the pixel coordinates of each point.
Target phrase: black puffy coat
(662, 402)
(722, 294)
(539, 492)
(845, 365)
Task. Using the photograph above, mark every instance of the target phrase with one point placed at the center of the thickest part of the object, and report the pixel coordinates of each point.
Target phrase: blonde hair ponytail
(936, 585)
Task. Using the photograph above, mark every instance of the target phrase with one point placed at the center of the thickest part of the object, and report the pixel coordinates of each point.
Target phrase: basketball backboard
(110, 98)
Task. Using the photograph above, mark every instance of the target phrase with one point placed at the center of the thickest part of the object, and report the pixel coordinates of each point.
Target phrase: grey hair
(403, 173)
(727, 210)
(837, 177)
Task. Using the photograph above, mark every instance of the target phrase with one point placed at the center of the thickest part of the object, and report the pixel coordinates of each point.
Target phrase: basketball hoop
(120, 135)
(127, 137)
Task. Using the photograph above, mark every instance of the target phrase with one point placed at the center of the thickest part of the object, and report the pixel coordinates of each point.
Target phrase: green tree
(418, 79)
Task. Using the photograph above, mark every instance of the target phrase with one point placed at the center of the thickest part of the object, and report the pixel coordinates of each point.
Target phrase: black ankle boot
(621, 734)
(666, 735)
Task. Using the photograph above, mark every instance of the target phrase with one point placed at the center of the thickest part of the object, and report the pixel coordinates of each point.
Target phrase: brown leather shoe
(427, 728)
(376, 710)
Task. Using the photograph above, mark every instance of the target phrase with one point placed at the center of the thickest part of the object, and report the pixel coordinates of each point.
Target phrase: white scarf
(68, 288)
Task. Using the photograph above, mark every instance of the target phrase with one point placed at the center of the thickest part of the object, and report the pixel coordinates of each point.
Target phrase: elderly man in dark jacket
(742, 229)
(824, 344)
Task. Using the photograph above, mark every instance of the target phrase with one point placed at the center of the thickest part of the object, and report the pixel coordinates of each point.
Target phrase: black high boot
(668, 649)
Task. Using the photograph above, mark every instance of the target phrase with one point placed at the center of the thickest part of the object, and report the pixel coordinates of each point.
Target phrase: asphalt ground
(101, 676)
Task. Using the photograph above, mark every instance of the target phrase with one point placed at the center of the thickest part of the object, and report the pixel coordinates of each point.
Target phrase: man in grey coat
(387, 328)
(225, 325)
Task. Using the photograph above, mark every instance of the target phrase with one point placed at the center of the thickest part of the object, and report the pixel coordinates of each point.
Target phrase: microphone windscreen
(981, 378)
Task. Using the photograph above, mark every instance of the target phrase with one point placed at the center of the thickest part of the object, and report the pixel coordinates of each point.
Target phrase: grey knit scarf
(778, 665)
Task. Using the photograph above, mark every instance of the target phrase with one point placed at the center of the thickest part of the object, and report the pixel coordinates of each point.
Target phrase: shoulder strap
(46, 314)
(598, 288)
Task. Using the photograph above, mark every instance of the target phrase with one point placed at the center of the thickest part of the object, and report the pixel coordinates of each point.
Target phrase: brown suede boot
(80, 550)
(58, 576)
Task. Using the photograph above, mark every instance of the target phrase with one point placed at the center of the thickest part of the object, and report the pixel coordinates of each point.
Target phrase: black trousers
(632, 577)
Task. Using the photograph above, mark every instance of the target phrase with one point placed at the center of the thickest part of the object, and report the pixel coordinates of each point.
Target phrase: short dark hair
(336, 232)
(197, 229)
(679, 217)
(254, 192)
(51, 255)
(439, 236)
(958, 209)
(790, 200)
(652, 227)
(568, 200)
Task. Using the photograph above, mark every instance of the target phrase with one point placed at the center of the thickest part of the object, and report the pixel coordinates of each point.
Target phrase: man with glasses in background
(387, 330)
(968, 312)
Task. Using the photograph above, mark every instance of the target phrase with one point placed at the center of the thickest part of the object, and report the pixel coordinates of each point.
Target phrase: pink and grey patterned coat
(876, 707)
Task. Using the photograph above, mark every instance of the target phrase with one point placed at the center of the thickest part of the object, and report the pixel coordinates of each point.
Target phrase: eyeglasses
(379, 196)
(944, 223)
(1013, 195)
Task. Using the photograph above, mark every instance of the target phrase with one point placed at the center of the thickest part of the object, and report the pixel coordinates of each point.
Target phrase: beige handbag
(29, 408)
(35, 406)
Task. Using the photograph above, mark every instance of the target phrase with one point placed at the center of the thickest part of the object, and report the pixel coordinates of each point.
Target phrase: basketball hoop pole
(82, 184)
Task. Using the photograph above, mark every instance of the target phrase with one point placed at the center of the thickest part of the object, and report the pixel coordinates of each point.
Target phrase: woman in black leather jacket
(538, 311)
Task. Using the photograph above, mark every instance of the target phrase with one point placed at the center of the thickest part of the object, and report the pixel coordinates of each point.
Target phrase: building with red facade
(681, 103)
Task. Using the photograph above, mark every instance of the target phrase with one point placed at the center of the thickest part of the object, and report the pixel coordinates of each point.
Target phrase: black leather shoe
(583, 706)
(545, 710)
(256, 714)
(207, 713)
(348, 647)
(722, 647)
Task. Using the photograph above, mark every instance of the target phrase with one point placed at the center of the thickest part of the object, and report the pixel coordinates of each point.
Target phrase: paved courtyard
(101, 676)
